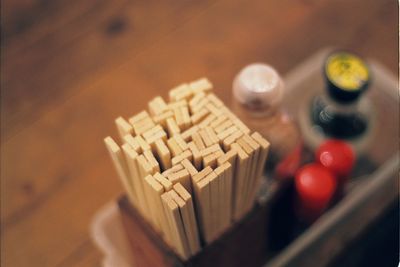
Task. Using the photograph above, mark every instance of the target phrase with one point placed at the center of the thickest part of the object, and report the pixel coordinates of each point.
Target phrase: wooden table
(68, 68)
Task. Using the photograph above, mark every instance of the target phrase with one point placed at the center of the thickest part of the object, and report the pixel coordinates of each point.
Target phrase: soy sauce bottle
(342, 112)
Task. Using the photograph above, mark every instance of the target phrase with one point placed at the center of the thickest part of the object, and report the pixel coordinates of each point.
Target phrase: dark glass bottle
(341, 112)
(335, 123)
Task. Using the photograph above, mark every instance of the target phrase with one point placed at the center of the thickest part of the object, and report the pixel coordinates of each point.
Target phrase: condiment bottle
(338, 157)
(258, 91)
(315, 186)
(342, 112)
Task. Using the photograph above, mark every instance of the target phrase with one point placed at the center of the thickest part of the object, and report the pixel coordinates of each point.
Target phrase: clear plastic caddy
(367, 195)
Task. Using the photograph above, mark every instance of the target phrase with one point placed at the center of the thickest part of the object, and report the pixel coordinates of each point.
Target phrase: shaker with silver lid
(258, 90)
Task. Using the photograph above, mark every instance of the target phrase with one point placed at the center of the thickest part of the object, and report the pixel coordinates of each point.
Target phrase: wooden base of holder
(244, 244)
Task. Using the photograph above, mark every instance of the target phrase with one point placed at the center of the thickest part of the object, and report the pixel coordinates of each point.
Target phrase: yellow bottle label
(346, 71)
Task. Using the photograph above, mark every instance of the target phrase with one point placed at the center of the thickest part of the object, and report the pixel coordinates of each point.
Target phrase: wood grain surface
(69, 68)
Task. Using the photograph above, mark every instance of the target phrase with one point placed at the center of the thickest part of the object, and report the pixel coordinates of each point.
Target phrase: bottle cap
(315, 186)
(347, 76)
(337, 156)
(258, 86)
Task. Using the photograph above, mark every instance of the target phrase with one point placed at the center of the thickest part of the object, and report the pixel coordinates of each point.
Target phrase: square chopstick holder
(243, 244)
(191, 170)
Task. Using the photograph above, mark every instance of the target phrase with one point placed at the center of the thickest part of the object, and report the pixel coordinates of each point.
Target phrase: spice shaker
(257, 95)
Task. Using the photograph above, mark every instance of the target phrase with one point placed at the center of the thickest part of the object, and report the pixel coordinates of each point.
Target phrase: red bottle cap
(315, 186)
(337, 156)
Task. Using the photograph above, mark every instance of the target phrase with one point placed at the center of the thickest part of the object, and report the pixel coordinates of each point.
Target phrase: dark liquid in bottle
(343, 126)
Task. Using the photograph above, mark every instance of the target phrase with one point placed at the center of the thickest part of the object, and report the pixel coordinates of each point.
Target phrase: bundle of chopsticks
(190, 166)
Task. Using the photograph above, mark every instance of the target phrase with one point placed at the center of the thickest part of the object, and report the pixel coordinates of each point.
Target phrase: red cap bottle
(315, 186)
(337, 156)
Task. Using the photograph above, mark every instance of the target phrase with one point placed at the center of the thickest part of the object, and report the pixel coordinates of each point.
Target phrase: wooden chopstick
(123, 127)
(247, 182)
(163, 154)
(174, 147)
(121, 167)
(182, 177)
(172, 127)
(214, 205)
(130, 159)
(175, 222)
(220, 197)
(186, 221)
(253, 183)
(197, 159)
(229, 158)
(240, 172)
(157, 106)
(187, 135)
(201, 190)
(163, 181)
(194, 241)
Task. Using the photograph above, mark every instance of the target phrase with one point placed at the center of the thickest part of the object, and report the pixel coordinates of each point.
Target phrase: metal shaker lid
(258, 86)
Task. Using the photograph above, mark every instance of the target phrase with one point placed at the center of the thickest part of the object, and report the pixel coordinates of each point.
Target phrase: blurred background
(69, 68)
